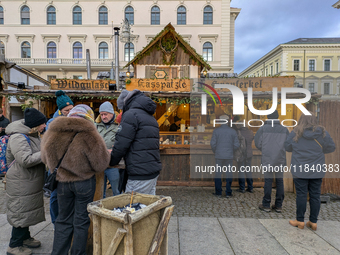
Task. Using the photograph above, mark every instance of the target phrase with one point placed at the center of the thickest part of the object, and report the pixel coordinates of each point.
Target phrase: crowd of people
(78, 146)
(308, 142)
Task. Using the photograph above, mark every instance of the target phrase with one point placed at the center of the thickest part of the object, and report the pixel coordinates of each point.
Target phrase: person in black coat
(308, 142)
(137, 140)
(3, 123)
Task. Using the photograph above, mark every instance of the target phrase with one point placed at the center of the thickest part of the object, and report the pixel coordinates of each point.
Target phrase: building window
(1, 15)
(296, 65)
(51, 52)
(103, 15)
(155, 15)
(77, 16)
(181, 15)
(127, 50)
(208, 15)
(271, 70)
(311, 87)
(327, 65)
(26, 50)
(326, 89)
(207, 51)
(129, 15)
(51, 77)
(2, 48)
(77, 77)
(51, 16)
(25, 15)
(311, 65)
(277, 67)
(77, 52)
(103, 50)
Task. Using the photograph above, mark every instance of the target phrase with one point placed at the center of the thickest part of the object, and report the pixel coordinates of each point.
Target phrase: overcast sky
(264, 24)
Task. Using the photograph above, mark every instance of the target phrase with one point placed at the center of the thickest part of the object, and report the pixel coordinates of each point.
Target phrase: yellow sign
(160, 74)
(182, 85)
(65, 84)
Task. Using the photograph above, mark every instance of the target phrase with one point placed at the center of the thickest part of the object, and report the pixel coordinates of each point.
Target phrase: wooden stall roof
(170, 29)
(97, 94)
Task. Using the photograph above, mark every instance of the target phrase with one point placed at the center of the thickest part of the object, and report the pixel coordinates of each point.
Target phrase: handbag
(51, 182)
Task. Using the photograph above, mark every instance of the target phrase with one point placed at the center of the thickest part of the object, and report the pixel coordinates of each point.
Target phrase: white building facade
(50, 38)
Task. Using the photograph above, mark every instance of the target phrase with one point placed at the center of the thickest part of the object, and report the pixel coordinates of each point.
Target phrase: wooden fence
(330, 119)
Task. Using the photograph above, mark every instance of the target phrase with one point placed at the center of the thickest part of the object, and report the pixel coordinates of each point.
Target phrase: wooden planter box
(143, 231)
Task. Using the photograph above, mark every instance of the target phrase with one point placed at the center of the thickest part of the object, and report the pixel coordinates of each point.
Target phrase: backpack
(3, 147)
(240, 154)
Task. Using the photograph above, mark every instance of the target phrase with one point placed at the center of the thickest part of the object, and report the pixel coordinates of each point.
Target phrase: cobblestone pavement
(199, 202)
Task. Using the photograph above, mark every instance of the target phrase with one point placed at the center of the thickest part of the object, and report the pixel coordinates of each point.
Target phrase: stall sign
(182, 85)
(70, 84)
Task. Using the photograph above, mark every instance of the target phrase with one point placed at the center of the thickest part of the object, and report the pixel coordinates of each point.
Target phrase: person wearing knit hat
(273, 116)
(121, 98)
(63, 100)
(82, 111)
(270, 140)
(107, 128)
(76, 141)
(25, 180)
(34, 118)
(64, 104)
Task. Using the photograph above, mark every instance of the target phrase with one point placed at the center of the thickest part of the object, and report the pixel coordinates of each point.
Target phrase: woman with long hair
(74, 144)
(308, 142)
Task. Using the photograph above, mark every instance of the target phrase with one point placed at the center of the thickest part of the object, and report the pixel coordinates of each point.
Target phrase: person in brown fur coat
(85, 153)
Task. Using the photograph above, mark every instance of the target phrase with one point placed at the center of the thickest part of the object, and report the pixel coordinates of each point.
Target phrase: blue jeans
(241, 180)
(303, 187)
(268, 182)
(218, 177)
(53, 204)
(73, 219)
(113, 175)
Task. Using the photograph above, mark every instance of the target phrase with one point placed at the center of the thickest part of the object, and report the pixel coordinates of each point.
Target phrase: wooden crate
(144, 231)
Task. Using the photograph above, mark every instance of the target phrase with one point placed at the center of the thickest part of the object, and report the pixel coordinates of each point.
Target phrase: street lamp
(117, 55)
(126, 38)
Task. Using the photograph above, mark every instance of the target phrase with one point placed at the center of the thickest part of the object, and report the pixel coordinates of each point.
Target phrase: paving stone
(297, 241)
(249, 236)
(329, 231)
(196, 233)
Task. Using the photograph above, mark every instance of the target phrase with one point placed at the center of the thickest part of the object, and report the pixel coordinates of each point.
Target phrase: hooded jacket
(270, 139)
(310, 149)
(137, 139)
(25, 178)
(85, 149)
(224, 141)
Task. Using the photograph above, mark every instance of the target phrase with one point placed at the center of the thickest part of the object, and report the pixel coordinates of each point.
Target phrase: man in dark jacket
(223, 143)
(270, 139)
(3, 123)
(137, 140)
(249, 137)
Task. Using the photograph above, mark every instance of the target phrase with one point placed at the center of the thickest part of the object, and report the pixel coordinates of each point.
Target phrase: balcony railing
(60, 61)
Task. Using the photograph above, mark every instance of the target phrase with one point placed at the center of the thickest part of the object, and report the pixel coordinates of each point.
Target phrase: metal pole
(117, 56)
(113, 50)
(88, 64)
